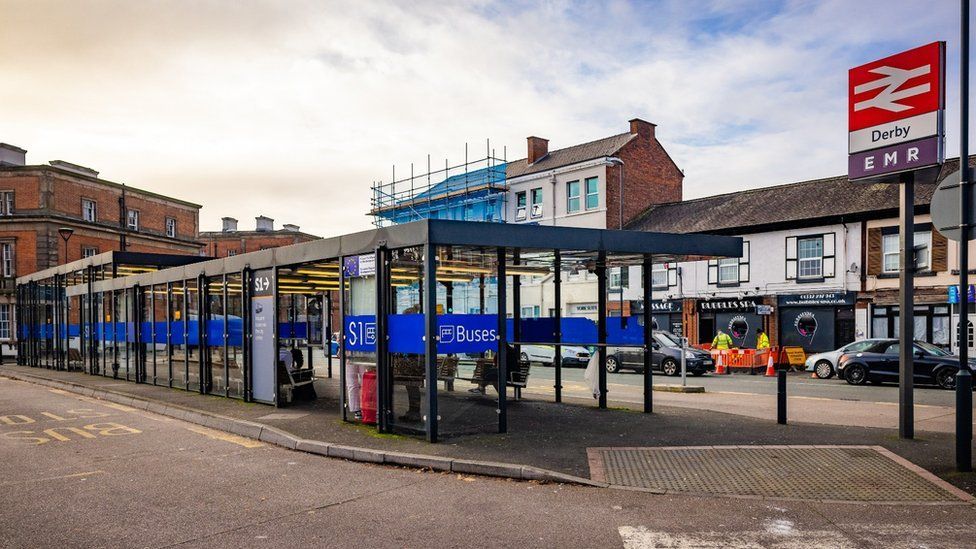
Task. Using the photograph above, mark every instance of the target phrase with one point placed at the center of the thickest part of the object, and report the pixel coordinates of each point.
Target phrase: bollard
(781, 397)
(964, 421)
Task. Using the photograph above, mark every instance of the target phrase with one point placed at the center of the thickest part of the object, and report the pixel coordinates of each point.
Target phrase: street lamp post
(66, 233)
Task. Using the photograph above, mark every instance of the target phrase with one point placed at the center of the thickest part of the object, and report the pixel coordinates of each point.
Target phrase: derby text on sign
(895, 113)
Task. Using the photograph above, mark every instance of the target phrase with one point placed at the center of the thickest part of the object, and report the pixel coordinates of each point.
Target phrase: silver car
(825, 364)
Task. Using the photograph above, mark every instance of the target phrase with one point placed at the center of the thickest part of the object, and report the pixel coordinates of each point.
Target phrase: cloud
(292, 109)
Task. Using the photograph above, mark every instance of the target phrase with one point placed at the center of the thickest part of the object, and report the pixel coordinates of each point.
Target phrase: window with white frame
(891, 254)
(6, 259)
(592, 188)
(530, 311)
(728, 270)
(89, 251)
(809, 253)
(619, 278)
(537, 202)
(231, 253)
(659, 275)
(6, 202)
(520, 206)
(572, 196)
(132, 220)
(5, 324)
(89, 211)
(171, 227)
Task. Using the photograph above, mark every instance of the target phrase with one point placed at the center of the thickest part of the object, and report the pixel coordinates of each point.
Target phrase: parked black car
(879, 364)
(665, 358)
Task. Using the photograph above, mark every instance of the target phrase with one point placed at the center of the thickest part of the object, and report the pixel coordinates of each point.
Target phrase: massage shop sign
(896, 114)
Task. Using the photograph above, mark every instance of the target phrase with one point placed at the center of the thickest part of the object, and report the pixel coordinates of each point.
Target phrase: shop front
(665, 315)
(735, 317)
(816, 321)
(932, 318)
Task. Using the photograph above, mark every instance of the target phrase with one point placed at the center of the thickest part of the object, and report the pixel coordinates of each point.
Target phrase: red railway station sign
(896, 109)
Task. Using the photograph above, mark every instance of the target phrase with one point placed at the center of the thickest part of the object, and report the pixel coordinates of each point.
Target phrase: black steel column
(152, 332)
(601, 324)
(516, 320)
(502, 341)
(558, 321)
(906, 305)
(203, 315)
(646, 276)
(137, 331)
(226, 338)
(246, 332)
(430, 338)
(169, 334)
(964, 380)
(384, 409)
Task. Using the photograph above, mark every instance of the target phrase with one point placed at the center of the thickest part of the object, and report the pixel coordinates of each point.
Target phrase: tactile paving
(809, 473)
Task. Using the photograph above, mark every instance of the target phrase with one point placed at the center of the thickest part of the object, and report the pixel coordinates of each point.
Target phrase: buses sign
(896, 114)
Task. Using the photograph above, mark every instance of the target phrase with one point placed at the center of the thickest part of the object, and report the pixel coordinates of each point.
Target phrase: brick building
(38, 200)
(230, 241)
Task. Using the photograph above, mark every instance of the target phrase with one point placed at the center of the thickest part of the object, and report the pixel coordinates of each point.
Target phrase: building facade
(230, 241)
(41, 204)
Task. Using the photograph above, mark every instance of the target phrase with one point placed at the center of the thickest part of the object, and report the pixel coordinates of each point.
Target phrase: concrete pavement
(109, 475)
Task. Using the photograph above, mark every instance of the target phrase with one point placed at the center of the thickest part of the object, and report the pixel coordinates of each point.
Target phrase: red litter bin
(368, 397)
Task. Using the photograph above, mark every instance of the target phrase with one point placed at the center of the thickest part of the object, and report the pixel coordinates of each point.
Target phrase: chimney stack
(290, 227)
(538, 148)
(12, 156)
(229, 224)
(263, 223)
(642, 128)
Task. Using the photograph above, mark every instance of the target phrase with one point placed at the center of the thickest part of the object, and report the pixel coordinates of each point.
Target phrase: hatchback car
(666, 357)
(880, 363)
(572, 355)
(825, 364)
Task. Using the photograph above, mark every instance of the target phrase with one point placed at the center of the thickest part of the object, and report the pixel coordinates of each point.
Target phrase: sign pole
(964, 382)
(906, 305)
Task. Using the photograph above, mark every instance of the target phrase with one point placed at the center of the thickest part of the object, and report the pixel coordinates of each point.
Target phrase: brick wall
(27, 189)
(650, 176)
(221, 244)
(689, 319)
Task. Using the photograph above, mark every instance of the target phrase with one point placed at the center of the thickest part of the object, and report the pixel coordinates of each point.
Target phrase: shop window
(572, 196)
(537, 202)
(6, 203)
(520, 206)
(89, 210)
(592, 193)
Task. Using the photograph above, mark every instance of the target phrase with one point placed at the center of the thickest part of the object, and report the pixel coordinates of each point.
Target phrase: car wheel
(855, 374)
(946, 378)
(612, 365)
(823, 369)
(669, 367)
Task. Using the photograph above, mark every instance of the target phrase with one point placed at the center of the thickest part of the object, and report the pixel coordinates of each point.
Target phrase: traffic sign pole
(964, 382)
(906, 305)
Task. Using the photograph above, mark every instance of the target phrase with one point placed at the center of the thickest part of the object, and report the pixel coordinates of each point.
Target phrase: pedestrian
(722, 341)
(762, 340)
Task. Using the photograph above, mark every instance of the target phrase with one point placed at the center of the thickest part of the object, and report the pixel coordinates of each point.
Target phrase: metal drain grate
(821, 473)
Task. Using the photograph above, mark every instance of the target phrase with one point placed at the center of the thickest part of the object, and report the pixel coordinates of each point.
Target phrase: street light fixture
(66, 233)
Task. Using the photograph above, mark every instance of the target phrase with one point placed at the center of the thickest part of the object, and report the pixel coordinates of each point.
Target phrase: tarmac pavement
(81, 472)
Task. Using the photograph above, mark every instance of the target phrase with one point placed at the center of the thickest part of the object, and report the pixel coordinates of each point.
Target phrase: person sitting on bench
(490, 374)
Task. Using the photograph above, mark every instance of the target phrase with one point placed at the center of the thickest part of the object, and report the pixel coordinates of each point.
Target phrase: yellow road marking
(74, 475)
(227, 437)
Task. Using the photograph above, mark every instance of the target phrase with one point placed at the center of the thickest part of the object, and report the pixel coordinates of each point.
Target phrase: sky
(292, 109)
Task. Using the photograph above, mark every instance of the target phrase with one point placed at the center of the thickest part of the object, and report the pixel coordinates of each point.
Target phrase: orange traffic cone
(770, 367)
(719, 366)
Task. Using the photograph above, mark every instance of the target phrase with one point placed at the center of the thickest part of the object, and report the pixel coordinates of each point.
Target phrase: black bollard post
(964, 421)
(781, 397)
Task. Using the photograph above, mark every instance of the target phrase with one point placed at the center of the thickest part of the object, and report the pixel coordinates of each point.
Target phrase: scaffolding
(471, 191)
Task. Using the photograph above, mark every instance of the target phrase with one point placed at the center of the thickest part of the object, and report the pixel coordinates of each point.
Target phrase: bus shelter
(433, 325)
